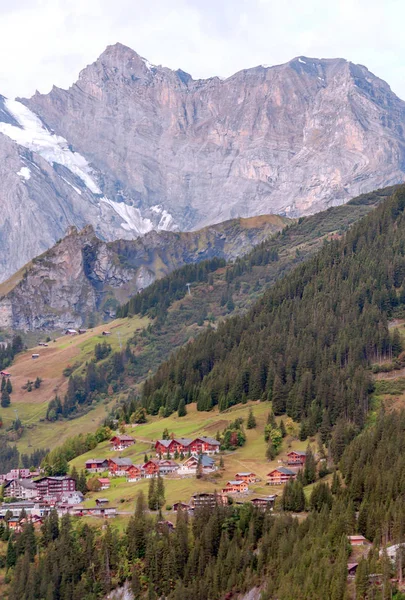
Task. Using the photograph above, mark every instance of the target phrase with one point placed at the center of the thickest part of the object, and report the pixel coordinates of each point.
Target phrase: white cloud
(45, 42)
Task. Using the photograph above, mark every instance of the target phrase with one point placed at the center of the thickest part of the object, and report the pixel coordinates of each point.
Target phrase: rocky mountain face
(82, 278)
(132, 147)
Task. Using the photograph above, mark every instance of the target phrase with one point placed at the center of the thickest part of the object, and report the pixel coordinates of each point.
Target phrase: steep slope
(82, 276)
(132, 147)
(307, 343)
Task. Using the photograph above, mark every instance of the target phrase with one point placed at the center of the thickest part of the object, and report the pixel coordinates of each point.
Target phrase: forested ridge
(307, 344)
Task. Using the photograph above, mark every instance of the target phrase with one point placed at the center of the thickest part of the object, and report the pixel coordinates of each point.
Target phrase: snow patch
(266, 66)
(147, 64)
(302, 61)
(53, 148)
(166, 220)
(133, 220)
(25, 173)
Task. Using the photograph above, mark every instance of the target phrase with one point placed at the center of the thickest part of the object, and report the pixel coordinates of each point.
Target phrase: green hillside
(308, 342)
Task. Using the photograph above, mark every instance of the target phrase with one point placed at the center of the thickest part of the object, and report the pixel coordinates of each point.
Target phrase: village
(34, 494)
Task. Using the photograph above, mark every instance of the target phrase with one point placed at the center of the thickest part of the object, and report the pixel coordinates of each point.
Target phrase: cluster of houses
(49, 489)
(124, 467)
(187, 446)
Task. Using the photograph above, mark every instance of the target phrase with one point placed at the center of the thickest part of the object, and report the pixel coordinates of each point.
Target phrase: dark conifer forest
(308, 343)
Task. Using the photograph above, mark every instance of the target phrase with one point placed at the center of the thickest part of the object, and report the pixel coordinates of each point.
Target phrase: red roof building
(118, 467)
(150, 469)
(296, 458)
(104, 483)
(134, 473)
(247, 477)
(120, 442)
(280, 475)
(236, 487)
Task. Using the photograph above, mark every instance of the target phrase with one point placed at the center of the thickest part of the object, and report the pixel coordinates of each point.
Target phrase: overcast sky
(46, 42)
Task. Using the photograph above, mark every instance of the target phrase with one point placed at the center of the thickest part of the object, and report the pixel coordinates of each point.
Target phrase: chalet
(296, 458)
(181, 506)
(102, 501)
(118, 467)
(70, 332)
(190, 465)
(81, 331)
(247, 477)
(264, 503)
(150, 469)
(358, 540)
(24, 489)
(5, 374)
(168, 466)
(204, 445)
(236, 487)
(35, 355)
(134, 473)
(204, 499)
(104, 483)
(43, 344)
(96, 465)
(52, 488)
(106, 333)
(120, 442)
(95, 511)
(172, 447)
(280, 475)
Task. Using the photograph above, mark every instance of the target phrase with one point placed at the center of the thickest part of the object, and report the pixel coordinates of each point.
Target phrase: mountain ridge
(82, 275)
(132, 147)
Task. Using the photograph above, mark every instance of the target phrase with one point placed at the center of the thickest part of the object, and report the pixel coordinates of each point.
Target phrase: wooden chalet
(150, 469)
(236, 487)
(204, 445)
(172, 446)
(120, 442)
(168, 466)
(5, 374)
(358, 540)
(280, 475)
(247, 477)
(102, 501)
(134, 473)
(104, 483)
(204, 499)
(181, 506)
(266, 503)
(296, 458)
(96, 465)
(70, 332)
(199, 445)
(118, 467)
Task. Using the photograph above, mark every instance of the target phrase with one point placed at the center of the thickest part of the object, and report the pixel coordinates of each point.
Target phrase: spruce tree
(251, 421)
(182, 411)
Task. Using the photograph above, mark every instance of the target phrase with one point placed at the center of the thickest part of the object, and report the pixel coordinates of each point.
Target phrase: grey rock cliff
(165, 151)
(83, 279)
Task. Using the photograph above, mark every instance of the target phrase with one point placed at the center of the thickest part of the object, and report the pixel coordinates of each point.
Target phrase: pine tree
(9, 387)
(5, 399)
(182, 411)
(251, 421)
(152, 496)
(309, 467)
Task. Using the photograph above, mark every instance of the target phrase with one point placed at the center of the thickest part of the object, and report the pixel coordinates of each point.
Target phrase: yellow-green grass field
(31, 406)
(250, 457)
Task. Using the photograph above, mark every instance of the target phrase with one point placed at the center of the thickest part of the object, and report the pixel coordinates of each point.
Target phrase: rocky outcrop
(132, 147)
(83, 278)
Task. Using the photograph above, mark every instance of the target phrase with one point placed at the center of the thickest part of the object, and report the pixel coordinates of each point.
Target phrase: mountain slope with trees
(307, 344)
